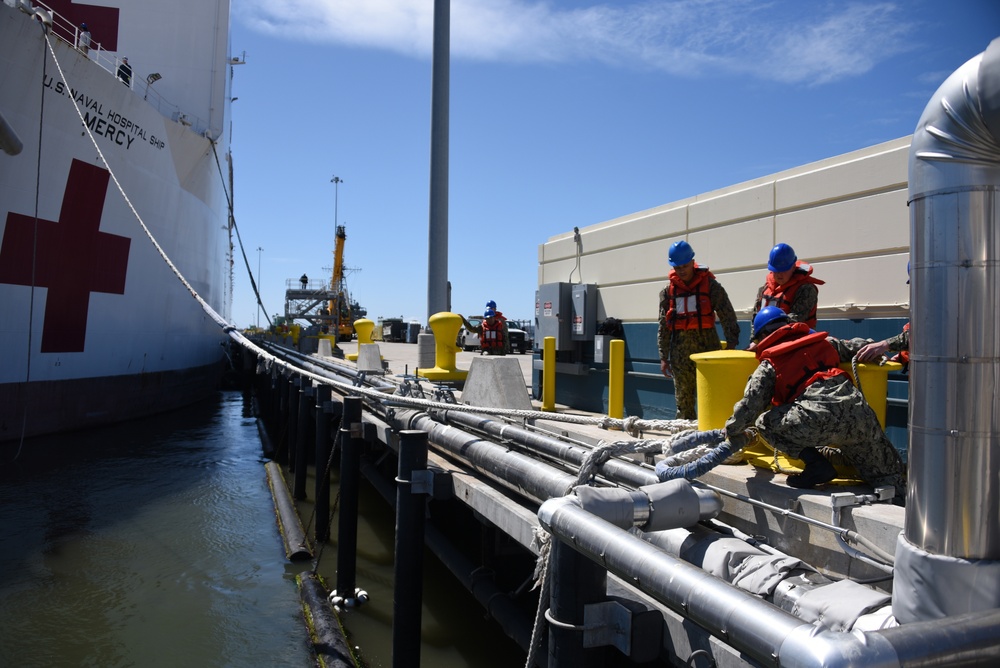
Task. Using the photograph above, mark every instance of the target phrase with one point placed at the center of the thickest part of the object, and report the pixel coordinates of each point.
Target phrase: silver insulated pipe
(948, 556)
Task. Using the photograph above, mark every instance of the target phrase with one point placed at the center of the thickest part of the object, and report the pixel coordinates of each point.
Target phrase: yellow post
(549, 374)
(445, 327)
(363, 327)
(721, 376)
(616, 380)
(875, 385)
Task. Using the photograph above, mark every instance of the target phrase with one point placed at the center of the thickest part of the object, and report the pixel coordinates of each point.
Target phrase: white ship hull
(94, 325)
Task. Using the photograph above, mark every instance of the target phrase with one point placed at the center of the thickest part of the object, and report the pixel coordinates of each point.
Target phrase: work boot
(818, 470)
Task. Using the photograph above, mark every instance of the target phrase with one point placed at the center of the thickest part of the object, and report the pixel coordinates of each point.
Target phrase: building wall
(846, 215)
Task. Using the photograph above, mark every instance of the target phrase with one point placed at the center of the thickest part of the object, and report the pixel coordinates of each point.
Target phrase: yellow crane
(340, 304)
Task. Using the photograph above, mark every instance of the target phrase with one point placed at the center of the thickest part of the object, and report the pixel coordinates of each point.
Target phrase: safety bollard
(363, 327)
(445, 327)
(549, 374)
(616, 380)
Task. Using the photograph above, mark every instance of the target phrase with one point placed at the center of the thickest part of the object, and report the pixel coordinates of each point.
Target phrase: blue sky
(563, 113)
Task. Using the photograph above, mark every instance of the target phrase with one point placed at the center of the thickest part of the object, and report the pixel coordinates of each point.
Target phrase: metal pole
(292, 421)
(259, 249)
(336, 181)
(576, 581)
(347, 522)
(437, 262)
(409, 554)
(323, 394)
(301, 460)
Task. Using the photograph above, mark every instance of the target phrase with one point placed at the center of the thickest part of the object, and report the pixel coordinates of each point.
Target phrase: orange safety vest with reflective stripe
(800, 357)
(783, 296)
(690, 305)
(491, 338)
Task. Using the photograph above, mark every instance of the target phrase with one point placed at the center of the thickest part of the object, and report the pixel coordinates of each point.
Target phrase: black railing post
(411, 489)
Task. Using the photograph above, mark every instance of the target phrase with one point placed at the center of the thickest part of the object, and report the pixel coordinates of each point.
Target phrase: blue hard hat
(766, 316)
(680, 253)
(489, 313)
(491, 304)
(782, 258)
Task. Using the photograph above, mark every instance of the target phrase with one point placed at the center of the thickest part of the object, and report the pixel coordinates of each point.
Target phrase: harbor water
(154, 543)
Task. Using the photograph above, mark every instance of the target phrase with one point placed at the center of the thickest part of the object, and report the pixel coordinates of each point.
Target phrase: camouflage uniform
(677, 346)
(828, 412)
(806, 299)
(848, 348)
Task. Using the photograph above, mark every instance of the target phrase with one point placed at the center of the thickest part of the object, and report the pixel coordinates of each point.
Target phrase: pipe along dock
(633, 571)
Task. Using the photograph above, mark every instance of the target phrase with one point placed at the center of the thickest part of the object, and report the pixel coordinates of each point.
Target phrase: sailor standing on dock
(688, 306)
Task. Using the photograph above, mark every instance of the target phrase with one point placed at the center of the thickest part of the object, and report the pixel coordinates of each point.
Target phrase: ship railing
(110, 61)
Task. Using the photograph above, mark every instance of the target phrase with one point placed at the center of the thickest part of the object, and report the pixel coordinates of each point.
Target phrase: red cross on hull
(71, 258)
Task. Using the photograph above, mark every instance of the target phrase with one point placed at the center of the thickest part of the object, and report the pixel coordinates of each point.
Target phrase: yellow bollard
(616, 380)
(549, 374)
(445, 327)
(722, 376)
(875, 384)
(364, 328)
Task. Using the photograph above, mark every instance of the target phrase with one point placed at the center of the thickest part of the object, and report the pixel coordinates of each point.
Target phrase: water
(154, 543)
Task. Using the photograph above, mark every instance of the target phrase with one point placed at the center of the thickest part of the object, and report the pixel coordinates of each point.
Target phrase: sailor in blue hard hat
(799, 400)
(790, 286)
(689, 306)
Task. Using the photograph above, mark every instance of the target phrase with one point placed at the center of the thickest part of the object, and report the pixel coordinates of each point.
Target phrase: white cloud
(790, 41)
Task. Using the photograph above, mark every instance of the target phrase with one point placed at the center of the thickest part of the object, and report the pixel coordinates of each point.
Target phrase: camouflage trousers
(682, 345)
(834, 413)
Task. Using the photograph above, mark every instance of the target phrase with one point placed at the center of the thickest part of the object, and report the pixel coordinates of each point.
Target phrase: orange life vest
(491, 338)
(783, 296)
(799, 357)
(904, 355)
(690, 305)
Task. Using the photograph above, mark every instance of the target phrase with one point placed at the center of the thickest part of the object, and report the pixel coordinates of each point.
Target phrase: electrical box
(583, 326)
(552, 314)
(566, 312)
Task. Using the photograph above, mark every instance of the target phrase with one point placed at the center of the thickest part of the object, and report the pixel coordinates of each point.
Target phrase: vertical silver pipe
(437, 246)
(953, 500)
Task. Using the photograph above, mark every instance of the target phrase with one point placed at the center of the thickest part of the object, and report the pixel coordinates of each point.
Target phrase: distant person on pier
(83, 39)
(492, 333)
(800, 400)
(688, 308)
(125, 72)
(789, 286)
(304, 280)
(500, 316)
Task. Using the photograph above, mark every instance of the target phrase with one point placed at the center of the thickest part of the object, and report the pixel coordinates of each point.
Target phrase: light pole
(336, 181)
(259, 249)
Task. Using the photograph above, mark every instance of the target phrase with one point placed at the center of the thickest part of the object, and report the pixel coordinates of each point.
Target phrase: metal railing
(110, 61)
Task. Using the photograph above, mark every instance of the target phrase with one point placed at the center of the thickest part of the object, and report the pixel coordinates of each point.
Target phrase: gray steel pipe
(768, 634)
(617, 470)
(527, 476)
(953, 498)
